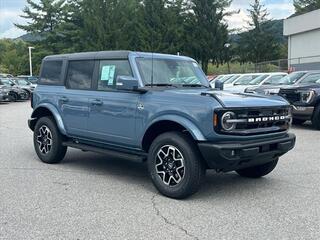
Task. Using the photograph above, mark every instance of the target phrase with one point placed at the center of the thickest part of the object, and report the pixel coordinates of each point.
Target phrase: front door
(112, 114)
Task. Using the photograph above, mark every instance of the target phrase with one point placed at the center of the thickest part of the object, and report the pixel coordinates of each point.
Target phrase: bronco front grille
(251, 121)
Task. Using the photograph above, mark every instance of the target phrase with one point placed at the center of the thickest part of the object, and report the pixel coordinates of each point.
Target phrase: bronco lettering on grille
(266, 119)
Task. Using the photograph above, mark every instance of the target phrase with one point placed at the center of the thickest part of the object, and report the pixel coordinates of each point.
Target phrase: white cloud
(12, 33)
(8, 18)
(239, 21)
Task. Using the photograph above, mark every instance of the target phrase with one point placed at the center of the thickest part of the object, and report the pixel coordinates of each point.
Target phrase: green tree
(44, 19)
(13, 57)
(258, 44)
(304, 6)
(206, 32)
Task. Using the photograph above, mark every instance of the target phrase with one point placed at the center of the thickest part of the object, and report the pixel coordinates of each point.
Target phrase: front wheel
(316, 118)
(27, 94)
(258, 171)
(175, 165)
(47, 141)
(13, 97)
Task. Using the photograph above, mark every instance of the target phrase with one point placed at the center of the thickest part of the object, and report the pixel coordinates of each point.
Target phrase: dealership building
(303, 34)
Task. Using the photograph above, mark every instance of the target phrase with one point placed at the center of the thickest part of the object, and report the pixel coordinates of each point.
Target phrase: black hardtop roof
(111, 55)
(91, 55)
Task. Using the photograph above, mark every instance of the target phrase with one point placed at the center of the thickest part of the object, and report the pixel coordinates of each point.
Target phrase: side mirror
(218, 85)
(126, 83)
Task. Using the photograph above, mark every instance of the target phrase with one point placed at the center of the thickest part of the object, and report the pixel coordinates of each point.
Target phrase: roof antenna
(152, 43)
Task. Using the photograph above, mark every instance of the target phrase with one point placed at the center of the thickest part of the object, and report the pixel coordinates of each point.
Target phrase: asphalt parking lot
(91, 196)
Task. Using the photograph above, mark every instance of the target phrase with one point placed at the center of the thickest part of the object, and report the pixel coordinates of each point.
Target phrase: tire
(258, 171)
(316, 118)
(28, 94)
(186, 174)
(13, 97)
(46, 128)
(298, 121)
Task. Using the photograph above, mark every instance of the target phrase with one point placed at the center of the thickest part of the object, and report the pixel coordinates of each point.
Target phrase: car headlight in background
(271, 91)
(249, 90)
(307, 96)
(226, 121)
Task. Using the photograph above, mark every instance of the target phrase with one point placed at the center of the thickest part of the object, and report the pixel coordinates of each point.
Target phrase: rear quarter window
(51, 73)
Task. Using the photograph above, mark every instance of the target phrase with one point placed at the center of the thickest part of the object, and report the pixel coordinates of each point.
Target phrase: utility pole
(30, 60)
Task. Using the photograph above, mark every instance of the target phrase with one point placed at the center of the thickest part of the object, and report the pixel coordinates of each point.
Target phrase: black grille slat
(290, 95)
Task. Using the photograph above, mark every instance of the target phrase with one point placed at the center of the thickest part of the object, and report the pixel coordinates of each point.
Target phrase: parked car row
(301, 89)
(15, 88)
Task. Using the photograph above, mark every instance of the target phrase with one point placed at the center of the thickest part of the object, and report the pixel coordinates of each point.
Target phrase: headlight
(307, 96)
(249, 90)
(226, 121)
(271, 91)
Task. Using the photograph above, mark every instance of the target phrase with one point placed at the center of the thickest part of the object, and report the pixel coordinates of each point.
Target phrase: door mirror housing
(218, 84)
(126, 83)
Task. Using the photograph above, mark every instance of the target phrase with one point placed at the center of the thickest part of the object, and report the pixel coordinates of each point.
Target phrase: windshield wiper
(160, 85)
(194, 85)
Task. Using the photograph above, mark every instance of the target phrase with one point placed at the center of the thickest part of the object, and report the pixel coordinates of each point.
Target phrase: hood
(237, 89)
(231, 100)
(302, 87)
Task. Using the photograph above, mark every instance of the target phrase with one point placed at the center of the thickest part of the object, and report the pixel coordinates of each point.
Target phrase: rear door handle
(64, 99)
(96, 102)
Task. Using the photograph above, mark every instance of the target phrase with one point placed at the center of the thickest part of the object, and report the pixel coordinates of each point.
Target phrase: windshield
(258, 80)
(232, 79)
(6, 82)
(171, 72)
(312, 78)
(292, 78)
(273, 80)
(22, 82)
(246, 79)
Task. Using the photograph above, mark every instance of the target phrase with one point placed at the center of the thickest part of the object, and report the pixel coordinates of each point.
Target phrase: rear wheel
(316, 118)
(47, 141)
(258, 171)
(175, 165)
(298, 121)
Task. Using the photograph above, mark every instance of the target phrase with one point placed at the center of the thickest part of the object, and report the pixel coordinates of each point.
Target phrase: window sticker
(107, 73)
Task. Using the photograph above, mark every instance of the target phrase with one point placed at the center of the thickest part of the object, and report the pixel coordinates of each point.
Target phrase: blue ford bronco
(159, 109)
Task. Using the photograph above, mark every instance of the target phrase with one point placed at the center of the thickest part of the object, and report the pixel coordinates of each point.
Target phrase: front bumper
(227, 157)
(302, 112)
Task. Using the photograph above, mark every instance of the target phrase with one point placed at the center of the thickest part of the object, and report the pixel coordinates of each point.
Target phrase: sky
(11, 9)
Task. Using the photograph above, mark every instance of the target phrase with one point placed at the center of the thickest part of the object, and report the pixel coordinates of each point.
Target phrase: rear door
(112, 112)
(74, 101)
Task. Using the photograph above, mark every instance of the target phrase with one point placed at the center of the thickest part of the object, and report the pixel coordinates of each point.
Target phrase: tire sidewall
(51, 156)
(189, 155)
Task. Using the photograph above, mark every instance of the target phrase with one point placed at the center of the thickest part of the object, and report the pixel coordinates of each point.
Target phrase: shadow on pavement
(215, 185)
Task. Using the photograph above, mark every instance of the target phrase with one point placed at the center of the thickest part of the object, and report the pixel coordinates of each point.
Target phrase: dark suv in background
(305, 99)
(15, 92)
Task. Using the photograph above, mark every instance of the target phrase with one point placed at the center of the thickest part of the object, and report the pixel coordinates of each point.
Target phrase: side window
(80, 74)
(109, 70)
(51, 73)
